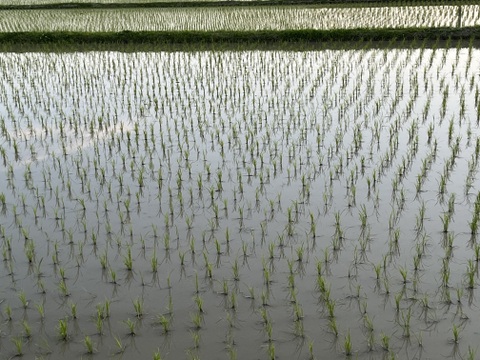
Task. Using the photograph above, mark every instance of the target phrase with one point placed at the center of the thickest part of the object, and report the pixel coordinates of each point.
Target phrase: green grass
(79, 39)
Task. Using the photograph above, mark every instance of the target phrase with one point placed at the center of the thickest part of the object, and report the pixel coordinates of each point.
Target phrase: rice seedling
(477, 252)
(209, 270)
(300, 253)
(471, 274)
(199, 302)
(157, 355)
(218, 247)
(232, 352)
(368, 322)
(61, 272)
(406, 317)
(99, 322)
(127, 259)
(192, 245)
(196, 339)
(474, 224)
(197, 320)
(386, 285)
(271, 351)
(266, 276)
(23, 299)
(89, 346)
(131, 326)
(347, 344)
(166, 241)
(138, 307)
(377, 268)
(62, 329)
(404, 274)
(63, 288)
(332, 324)
(471, 353)
(385, 340)
(18, 343)
(445, 222)
(181, 256)
(331, 308)
(269, 331)
(119, 344)
(7, 311)
(73, 310)
(41, 310)
(456, 334)
(113, 276)
(165, 322)
(27, 330)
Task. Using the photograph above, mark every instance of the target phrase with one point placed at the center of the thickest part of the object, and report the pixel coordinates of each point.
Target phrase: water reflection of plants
(215, 199)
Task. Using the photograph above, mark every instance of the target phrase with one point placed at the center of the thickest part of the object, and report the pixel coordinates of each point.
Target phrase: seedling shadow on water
(247, 203)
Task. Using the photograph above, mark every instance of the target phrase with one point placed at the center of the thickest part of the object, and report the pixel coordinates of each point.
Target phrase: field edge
(78, 39)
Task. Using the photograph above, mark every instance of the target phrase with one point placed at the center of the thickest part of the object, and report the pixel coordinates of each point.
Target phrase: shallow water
(220, 161)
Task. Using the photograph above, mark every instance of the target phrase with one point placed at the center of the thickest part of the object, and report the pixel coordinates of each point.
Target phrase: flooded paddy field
(238, 18)
(240, 204)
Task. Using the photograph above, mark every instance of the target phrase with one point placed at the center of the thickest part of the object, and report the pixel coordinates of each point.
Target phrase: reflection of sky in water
(281, 91)
(121, 88)
(239, 18)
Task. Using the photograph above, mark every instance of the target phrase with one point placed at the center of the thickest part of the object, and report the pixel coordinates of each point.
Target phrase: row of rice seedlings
(113, 221)
(238, 18)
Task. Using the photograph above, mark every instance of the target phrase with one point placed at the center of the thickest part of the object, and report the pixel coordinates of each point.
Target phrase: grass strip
(238, 37)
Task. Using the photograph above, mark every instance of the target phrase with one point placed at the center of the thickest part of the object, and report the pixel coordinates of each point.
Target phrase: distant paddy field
(241, 18)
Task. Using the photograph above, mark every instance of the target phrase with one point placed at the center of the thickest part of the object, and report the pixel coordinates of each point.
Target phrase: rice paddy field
(29, 3)
(232, 18)
(314, 202)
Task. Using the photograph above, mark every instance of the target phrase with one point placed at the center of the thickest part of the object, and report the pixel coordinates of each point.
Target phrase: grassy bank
(77, 39)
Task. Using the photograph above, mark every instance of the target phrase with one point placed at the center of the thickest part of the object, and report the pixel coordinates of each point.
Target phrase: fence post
(459, 20)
